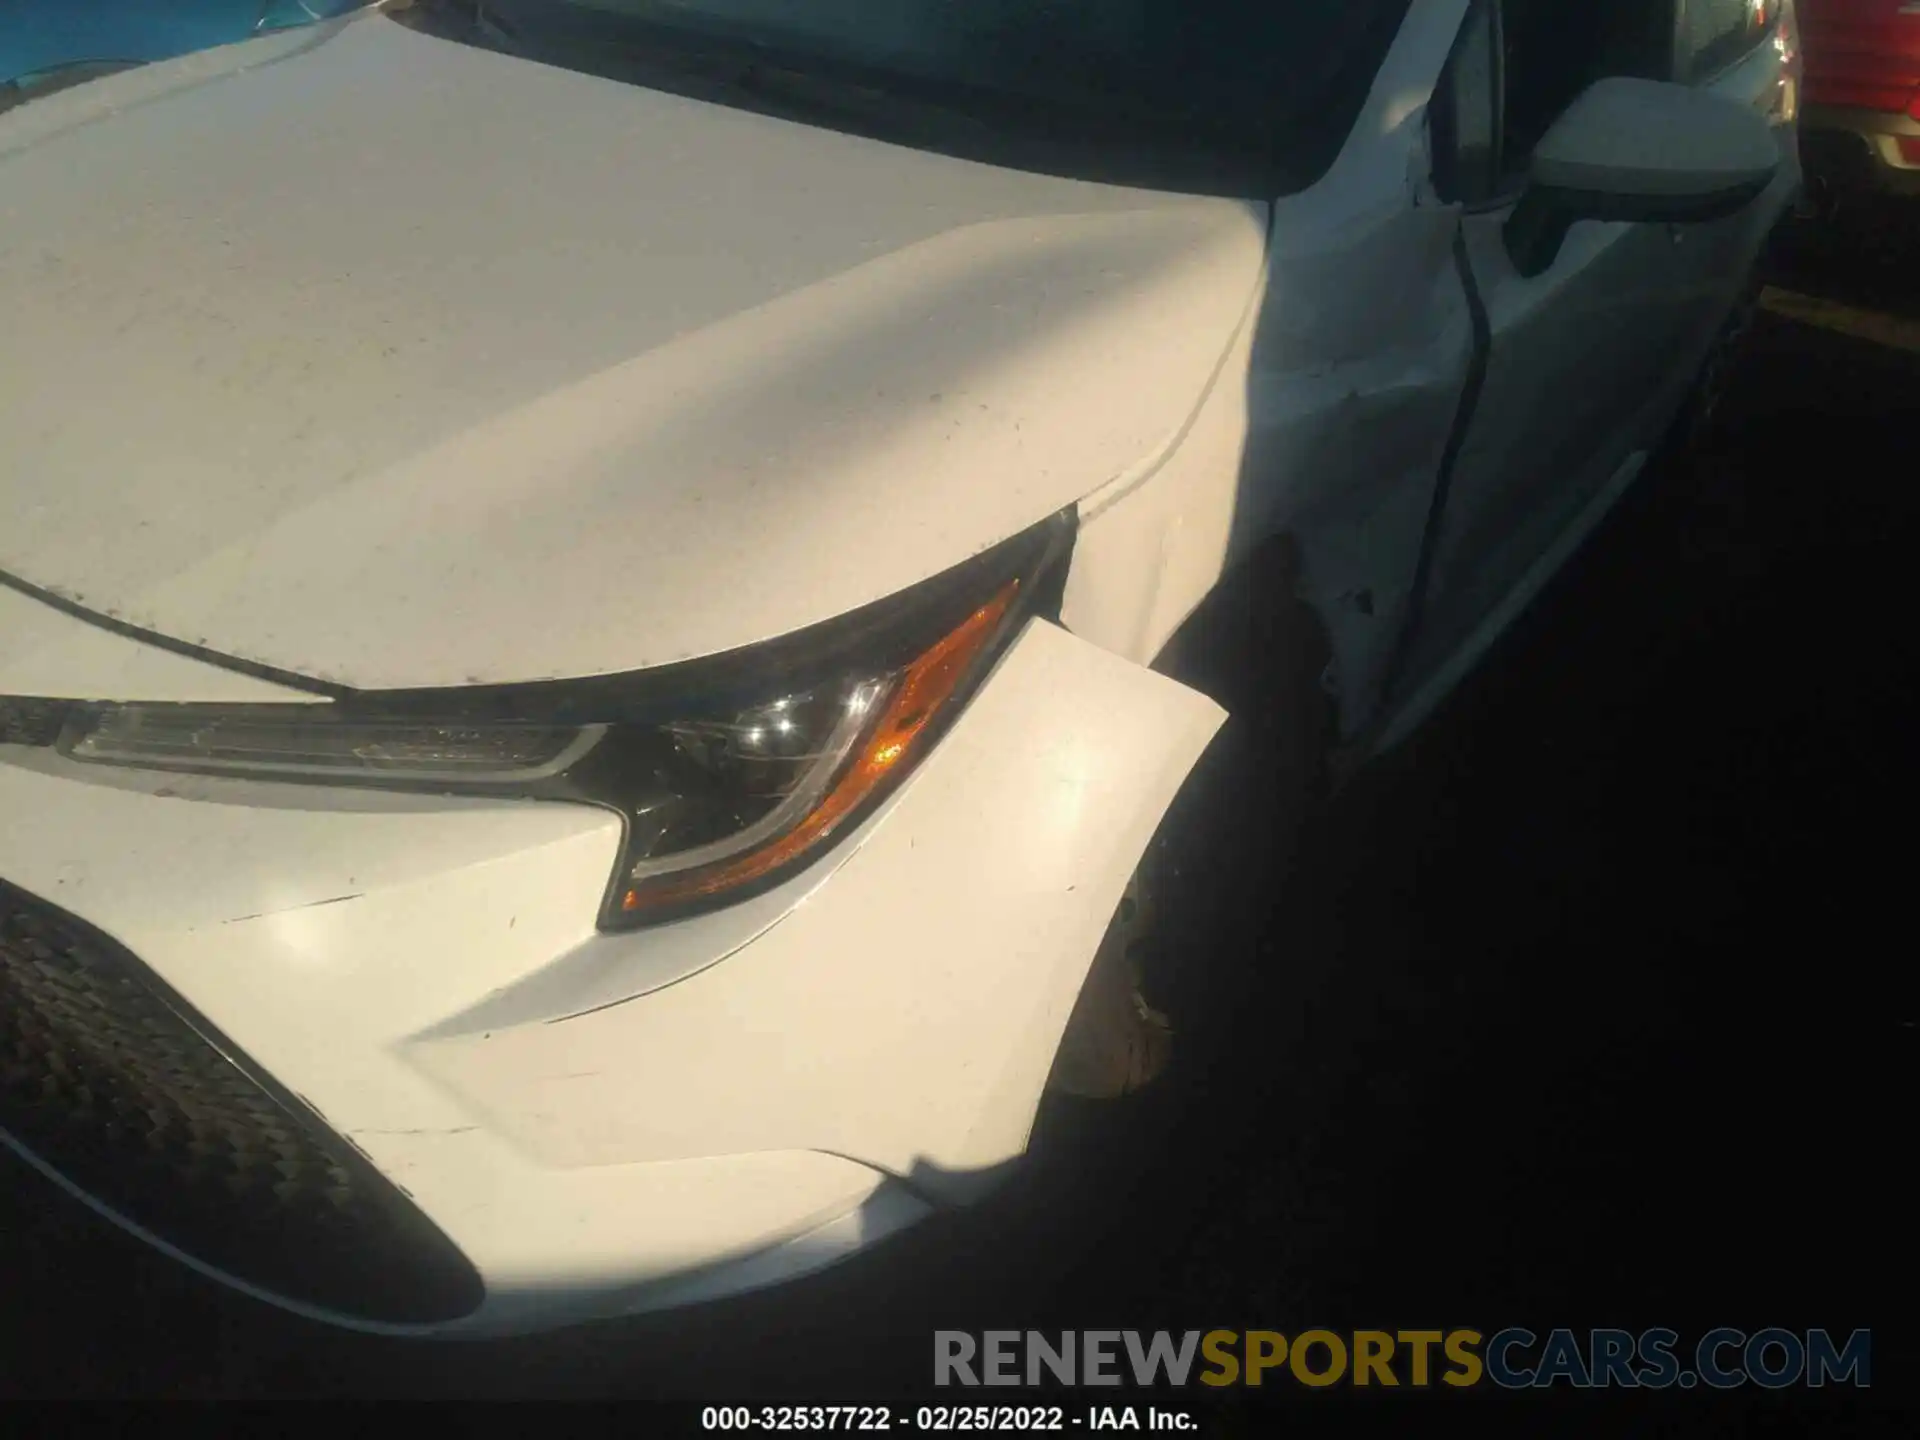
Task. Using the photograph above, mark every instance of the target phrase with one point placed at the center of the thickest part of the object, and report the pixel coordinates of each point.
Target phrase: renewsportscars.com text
(1513, 1358)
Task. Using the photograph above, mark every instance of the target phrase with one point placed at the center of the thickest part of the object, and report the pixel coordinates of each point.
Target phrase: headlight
(729, 771)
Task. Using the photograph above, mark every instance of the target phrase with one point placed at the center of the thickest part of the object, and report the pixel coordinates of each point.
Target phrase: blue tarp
(38, 35)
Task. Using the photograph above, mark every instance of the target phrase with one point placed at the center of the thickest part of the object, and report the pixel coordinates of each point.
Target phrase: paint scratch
(308, 905)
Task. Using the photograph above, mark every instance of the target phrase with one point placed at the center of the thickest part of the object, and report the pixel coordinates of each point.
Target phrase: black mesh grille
(26, 721)
(105, 1081)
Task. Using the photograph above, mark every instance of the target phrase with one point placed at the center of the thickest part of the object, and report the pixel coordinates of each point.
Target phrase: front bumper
(594, 1123)
(1854, 150)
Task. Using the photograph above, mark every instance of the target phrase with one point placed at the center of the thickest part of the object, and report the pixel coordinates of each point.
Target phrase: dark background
(1594, 1006)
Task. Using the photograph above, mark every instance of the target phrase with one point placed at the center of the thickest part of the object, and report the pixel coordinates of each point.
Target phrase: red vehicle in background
(1860, 119)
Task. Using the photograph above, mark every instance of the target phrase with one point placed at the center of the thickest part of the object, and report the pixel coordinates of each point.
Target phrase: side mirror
(1640, 151)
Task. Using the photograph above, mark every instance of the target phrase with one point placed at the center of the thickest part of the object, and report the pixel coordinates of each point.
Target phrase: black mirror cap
(1544, 215)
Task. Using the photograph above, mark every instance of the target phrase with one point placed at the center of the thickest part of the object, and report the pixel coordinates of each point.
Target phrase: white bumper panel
(605, 1123)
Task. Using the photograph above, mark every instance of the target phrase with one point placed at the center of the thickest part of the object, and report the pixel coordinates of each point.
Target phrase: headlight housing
(729, 772)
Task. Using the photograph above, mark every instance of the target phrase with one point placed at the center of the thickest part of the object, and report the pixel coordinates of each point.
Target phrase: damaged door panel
(1328, 423)
(1591, 355)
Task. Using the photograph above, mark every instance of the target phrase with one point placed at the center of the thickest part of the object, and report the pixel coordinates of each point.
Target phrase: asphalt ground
(1595, 1005)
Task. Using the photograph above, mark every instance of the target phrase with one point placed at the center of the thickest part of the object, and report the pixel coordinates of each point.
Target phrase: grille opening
(27, 721)
(111, 1081)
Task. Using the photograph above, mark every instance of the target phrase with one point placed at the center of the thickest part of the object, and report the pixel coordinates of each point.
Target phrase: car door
(1584, 364)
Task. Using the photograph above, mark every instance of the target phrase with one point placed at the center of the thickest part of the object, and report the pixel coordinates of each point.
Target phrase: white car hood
(390, 362)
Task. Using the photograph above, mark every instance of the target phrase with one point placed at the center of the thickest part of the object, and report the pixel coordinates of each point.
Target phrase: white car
(581, 580)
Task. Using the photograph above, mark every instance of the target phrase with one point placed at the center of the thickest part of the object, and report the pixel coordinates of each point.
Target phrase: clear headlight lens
(718, 799)
(319, 742)
(847, 743)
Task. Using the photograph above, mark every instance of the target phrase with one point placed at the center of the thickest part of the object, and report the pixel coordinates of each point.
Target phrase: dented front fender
(906, 1012)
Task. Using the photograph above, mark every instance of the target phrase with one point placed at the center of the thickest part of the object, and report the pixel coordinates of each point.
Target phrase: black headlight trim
(888, 631)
